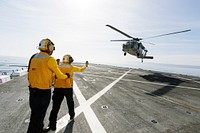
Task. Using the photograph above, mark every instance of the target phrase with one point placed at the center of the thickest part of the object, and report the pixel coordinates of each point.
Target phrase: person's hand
(86, 63)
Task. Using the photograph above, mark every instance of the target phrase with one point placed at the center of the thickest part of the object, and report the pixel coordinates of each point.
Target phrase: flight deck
(110, 99)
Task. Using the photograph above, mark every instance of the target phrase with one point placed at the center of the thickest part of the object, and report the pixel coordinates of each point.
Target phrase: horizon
(187, 65)
(191, 70)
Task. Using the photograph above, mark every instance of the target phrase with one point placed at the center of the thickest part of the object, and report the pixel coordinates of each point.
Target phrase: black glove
(86, 63)
(68, 75)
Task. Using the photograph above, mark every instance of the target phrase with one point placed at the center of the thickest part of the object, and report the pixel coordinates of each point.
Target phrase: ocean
(8, 64)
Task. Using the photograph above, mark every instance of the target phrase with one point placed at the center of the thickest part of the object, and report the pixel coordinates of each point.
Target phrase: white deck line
(90, 116)
(154, 83)
(84, 107)
(102, 92)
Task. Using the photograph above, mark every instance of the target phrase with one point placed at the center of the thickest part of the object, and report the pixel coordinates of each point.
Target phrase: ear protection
(68, 58)
(71, 59)
(46, 44)
(51, 47)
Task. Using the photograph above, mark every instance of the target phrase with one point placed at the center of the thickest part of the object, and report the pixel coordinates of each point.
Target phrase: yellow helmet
(44, 45)
(68, 58)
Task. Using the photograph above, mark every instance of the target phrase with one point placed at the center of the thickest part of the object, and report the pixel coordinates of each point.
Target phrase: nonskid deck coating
(114, 99)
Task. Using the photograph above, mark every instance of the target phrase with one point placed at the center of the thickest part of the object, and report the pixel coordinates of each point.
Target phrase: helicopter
(134, 46)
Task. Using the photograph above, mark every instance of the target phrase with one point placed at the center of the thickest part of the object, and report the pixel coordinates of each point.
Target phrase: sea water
(8, 64)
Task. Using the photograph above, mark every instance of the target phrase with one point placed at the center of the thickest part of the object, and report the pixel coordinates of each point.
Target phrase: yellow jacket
(41, 69)
(67, 68)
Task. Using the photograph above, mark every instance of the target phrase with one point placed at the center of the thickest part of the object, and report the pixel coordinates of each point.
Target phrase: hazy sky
(77, 27)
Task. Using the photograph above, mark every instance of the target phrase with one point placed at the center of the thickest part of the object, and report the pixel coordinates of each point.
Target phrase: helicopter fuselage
(134, 48)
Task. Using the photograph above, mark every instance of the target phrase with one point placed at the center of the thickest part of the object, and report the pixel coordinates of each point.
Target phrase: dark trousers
(58, 95)
(39, 101)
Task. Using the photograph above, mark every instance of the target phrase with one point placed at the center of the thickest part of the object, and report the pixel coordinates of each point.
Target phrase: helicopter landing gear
(124, 54)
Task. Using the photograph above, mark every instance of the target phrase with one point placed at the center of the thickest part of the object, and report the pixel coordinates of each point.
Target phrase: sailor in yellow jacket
(41, 69)
(64, 88)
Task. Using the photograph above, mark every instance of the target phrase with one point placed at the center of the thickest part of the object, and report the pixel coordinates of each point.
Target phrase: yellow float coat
(70, 69)
(41, 71)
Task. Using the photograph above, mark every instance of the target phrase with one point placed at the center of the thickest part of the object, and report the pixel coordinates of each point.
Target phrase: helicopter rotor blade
(177, 32)
(148, 43)
(119, 31)
(119, 40)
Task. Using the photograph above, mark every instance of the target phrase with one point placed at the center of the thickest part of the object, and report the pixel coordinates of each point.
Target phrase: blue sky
(77, 27)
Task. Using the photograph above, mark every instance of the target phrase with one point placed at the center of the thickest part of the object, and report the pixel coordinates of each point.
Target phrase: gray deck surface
(113, 100)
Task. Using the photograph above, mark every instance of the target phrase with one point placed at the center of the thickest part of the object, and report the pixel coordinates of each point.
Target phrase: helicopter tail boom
(148, 57)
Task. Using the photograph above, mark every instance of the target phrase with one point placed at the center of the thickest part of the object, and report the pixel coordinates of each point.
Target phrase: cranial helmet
(44, 45)
(68, 58)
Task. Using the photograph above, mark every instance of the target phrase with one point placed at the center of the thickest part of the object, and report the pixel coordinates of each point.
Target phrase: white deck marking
(99, 94)
(84, 107)
(149, 82)
(90, 116)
